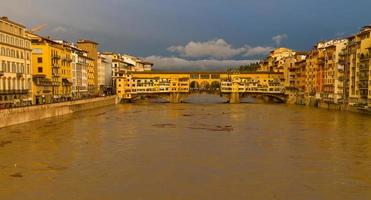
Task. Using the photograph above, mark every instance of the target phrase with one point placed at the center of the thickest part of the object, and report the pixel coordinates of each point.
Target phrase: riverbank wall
(13, 116)
(313, 102)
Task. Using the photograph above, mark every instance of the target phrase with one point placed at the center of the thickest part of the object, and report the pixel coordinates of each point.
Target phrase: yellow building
(332, 90)
(52, 70)
(358, 60)
(275, 62)
(15, 64)
(312, 73)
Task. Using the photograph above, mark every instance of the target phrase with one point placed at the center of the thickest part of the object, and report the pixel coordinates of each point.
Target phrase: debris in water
(3, 143)
(164, 125)
(216, 128)
(17, 175)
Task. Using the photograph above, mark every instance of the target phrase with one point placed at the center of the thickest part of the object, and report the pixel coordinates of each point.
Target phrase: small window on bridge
(205, 76)
(195, 76)
(215, 76)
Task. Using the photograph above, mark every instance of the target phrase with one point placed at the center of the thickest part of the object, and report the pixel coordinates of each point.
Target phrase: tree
(252, 67)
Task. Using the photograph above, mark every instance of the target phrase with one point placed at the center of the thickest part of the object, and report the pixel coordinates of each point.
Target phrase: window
(39, 60)
(40, 70)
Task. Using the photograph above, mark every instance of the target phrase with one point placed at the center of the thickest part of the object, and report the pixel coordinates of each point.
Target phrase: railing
(1, 73)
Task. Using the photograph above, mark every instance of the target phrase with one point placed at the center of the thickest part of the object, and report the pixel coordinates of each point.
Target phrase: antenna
(38, 28)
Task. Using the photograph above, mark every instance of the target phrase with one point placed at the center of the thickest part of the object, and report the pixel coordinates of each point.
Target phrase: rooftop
(87, 41)
(4, 18)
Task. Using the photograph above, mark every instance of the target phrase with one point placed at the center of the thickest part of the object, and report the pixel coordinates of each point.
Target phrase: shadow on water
(204, 99)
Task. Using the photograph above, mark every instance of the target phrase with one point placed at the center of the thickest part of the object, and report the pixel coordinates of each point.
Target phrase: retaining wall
(13, 116)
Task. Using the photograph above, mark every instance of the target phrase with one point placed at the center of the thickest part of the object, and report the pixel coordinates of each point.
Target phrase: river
(189, 151)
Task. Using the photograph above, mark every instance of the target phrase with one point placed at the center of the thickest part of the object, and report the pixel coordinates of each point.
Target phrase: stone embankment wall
(13, 116)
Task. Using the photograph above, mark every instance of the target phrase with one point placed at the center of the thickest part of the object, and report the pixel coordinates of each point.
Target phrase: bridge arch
(194, 85)
(215, 85)
(204, 98)
(204, 85)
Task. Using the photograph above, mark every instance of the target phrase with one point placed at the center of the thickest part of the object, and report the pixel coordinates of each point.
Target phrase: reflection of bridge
(176, 86)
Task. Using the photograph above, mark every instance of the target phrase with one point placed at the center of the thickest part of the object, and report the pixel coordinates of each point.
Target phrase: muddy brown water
(189, 151)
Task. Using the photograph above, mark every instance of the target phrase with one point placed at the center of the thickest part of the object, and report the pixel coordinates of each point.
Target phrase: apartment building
(15, 64)
(91, 48)
(51, 70)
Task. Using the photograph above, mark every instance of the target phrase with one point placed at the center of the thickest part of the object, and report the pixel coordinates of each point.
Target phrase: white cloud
(279, 38)
(216, 49)
(259, 50)
(175, 63)
(59, 29)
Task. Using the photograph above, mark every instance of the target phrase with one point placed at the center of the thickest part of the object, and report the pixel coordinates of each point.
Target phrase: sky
(193, 34)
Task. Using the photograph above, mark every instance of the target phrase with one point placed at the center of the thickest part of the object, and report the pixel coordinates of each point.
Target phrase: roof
(4, 18)
(86, 41)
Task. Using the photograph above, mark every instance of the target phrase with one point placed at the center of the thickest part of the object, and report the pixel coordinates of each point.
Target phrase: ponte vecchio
(176, 86)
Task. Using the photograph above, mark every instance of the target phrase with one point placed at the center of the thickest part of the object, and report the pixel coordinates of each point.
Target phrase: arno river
(189, 151)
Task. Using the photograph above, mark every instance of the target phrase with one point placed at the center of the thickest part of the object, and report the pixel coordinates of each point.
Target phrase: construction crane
(38, 28)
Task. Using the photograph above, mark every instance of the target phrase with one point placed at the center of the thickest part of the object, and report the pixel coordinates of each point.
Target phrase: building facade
(104, 74)
(91, 48)
(357, 55)
(15, 65)
(52, 70)
(79, 73)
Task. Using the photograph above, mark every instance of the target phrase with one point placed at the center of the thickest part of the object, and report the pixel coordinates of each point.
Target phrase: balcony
(56, 57)
(56, 75)
(55, 66)
(363, 67)
(55, 83)
(66, 59)
(11, 92)
(363, 78)
(364, 57)
(19, 75)
(1, 73)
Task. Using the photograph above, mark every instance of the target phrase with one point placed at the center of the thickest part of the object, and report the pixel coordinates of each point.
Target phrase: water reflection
(189, 151)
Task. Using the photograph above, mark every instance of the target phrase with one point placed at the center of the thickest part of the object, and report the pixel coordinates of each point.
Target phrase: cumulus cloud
(216, 49)
(59, 29)
(177, 64)
(279, 38)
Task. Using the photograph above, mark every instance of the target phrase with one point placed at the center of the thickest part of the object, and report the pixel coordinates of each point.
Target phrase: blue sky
(194, 32)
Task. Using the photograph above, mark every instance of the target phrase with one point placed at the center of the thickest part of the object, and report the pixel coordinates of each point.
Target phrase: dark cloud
(148, 27)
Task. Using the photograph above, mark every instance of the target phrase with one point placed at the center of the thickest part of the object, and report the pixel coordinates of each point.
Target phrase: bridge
(177, 86)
